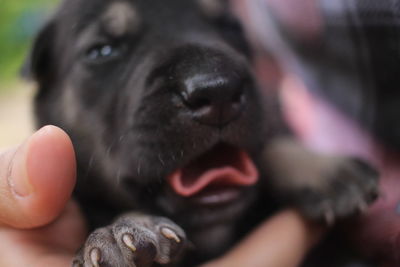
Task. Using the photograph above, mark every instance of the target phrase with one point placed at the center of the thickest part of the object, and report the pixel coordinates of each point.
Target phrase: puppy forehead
(120, 17)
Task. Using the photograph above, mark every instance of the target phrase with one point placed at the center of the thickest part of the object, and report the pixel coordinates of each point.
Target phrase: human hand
(39, 224)
(281, 241)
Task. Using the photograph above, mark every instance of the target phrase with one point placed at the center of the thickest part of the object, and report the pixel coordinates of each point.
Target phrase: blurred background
(20, 20)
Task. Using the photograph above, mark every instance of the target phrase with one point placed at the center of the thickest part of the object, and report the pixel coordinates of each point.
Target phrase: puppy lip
(223, 166)
(217, 196)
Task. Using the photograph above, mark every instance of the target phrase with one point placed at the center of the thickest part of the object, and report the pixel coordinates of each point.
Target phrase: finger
(44, 246)
(36, 179)
(56, 259)
(282, 241)
(38, 257)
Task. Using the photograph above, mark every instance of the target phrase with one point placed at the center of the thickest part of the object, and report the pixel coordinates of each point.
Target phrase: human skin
(282, 241)
(37, 216)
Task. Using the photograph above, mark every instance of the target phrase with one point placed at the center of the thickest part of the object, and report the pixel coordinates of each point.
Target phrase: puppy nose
(214, 100)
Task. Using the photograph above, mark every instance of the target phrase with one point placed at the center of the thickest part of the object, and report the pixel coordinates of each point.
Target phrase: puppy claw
(169, 234)
(362, 206)
(95, 257)
(128, 241)
(329, 217)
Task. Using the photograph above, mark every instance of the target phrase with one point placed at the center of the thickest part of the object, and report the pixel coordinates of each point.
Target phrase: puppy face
(159, 101)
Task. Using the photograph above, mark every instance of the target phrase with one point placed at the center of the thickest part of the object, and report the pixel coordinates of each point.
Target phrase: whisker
(139, 167)
(89, 166)
(119, 177)
(161, 160)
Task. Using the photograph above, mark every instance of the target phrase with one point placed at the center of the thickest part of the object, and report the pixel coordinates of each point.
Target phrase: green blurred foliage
(19, 22)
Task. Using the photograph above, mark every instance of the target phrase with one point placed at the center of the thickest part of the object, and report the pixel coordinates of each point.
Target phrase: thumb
(36, 179)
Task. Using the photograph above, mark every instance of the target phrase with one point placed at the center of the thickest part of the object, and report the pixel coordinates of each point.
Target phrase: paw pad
(133, 240)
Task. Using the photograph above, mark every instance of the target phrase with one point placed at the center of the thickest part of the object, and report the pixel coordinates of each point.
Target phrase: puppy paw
(134, 240)
(347, 186)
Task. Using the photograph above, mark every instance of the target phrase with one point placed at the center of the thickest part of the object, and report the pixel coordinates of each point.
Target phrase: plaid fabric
(345, 50)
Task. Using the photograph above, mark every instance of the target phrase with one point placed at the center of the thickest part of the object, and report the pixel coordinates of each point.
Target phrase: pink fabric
(324, 128)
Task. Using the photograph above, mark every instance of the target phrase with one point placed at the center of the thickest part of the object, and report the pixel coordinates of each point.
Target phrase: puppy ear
(38, 65)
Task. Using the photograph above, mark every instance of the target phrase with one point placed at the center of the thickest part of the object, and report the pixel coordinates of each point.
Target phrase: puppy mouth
(216, 177)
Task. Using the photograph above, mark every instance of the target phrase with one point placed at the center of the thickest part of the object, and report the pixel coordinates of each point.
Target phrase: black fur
(132, 128)
(132, 125)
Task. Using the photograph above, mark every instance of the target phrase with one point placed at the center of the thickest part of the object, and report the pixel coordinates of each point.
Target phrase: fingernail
(19, 178)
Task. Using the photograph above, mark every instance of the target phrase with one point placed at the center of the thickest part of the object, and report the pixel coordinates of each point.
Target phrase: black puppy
(168, 126)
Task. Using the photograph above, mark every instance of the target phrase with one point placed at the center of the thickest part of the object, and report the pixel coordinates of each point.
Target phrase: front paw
(134, 240)
(347, 187)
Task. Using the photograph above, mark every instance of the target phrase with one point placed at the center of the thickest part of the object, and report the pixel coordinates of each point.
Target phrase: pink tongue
(222, 166)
